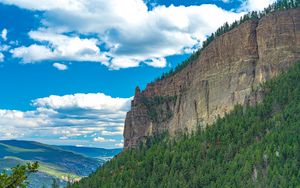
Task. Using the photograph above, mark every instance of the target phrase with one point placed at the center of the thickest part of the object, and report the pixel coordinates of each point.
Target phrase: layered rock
(226, 73)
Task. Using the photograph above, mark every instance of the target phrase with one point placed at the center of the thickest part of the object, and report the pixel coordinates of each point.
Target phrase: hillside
(55, 162)
(227, 117)
(225, 73)
(99, 153)
(250, 147)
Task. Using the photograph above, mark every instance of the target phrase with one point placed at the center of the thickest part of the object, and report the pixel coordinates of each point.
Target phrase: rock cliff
(227, 73)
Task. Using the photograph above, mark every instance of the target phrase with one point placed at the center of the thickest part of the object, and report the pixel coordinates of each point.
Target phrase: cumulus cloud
(99, 139)
(59, 47)
(1, 57)
(157, 62)
(44, 5)
(32, 53)
(256, 5)
(95, 101)
(4, 47)
(113, 133)
(4, 34)
(67, 118)
(120, 145)
(60, 66)
(126, 30)
(14, 118)
(123, 62)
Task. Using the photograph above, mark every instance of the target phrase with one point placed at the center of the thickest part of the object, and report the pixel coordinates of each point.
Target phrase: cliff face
(225, 74)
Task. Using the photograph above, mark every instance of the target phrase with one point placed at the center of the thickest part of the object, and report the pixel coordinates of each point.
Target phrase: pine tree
(54, 183)
(19, 175)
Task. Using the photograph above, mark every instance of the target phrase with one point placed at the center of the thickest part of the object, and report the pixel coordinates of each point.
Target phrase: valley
(64, 163)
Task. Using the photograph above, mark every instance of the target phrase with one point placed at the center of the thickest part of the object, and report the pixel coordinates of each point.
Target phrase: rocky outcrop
(226, 73)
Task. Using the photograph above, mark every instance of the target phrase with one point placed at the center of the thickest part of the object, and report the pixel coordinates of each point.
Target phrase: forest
(250, 147)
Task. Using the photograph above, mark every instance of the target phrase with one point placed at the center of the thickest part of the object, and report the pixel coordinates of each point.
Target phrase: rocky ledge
(228, 72)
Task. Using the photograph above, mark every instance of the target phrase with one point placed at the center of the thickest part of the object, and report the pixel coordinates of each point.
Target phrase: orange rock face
(225, 74)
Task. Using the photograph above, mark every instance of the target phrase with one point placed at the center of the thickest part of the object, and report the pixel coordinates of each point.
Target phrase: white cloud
(33, 53)
(157, 62)
(4, 34)
(99, 139)
(96, 101)
(112, 133)
(4, 47)
(44, 5)
(67, 118)
(256, 5)
(63, 138)
(119, 145)
(60, 66)
(119, 62)
(129, 32)
(1, 57)
(59, 47)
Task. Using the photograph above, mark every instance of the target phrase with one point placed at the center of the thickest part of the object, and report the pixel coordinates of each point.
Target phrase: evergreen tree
(19, 175)
(55, 183)
(256, 147)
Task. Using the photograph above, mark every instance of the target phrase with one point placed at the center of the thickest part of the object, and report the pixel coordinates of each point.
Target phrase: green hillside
(250, 147)
(67, 161)
(99, 153)
(54, 161)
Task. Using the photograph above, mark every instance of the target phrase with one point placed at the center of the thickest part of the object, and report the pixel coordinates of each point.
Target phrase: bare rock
(227, 73)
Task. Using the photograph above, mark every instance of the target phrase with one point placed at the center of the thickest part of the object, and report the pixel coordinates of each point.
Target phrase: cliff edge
(228, 72)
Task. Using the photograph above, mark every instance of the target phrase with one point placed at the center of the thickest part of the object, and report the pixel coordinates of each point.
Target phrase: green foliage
(250, 147)
(55, 183)
(155, 107)
(18, 176)
(279, 5)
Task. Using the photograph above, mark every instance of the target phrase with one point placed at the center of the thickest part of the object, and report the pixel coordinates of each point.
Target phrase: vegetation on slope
(100, 153)
(250, 147)
(18, 176)
(279, 5)
(54, 162)
(68, 162)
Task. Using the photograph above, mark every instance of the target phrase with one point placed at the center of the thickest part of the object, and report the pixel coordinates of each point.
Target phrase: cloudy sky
(68, 68)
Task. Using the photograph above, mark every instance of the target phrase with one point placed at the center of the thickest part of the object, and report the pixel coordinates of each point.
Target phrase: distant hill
(99, 153)
(55, 161)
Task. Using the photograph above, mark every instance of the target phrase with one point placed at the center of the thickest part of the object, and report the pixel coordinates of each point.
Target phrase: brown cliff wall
(224, 75)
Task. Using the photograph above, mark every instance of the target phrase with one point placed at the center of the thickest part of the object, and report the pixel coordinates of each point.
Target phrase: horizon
(71, 83)
(77, 146)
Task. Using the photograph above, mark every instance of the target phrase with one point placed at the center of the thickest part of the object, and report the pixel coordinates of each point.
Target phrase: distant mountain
(57, 162)
(99, 153)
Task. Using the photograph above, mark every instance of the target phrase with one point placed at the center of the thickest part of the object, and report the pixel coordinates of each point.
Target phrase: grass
(49, 169)
(15, 149)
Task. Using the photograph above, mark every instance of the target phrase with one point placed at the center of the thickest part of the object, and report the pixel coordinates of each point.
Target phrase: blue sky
(68, 69)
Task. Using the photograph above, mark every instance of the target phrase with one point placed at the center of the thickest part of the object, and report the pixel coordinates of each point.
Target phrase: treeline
(280, 5)
(250, 147)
